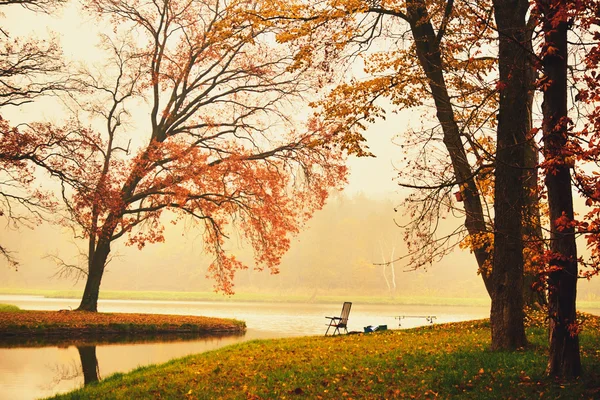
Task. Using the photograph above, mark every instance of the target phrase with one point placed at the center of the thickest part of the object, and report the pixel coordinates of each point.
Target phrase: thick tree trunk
(89, 364)
(428, 51)
(564, 360)
(506, 317)
(96, 264)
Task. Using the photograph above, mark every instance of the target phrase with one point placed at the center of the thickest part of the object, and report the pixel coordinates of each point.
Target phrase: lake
(33, 370)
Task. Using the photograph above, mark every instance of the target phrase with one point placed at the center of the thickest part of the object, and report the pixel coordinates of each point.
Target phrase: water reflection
(33, 368)
(89, 364)
(111, 339)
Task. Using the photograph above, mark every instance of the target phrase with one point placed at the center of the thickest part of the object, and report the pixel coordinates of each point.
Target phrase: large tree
(557, 128)
(440, 53)
(220, 141)
(507, 315)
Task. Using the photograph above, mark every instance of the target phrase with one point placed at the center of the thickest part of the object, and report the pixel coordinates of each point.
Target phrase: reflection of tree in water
(89, 368)
(63, 372)
(69, 372)
(89, 364)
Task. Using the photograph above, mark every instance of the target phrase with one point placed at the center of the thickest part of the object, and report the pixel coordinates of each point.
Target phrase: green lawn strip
(9, 308)
(447, 361)
(265, 297)
(77, 323)
(251, 297)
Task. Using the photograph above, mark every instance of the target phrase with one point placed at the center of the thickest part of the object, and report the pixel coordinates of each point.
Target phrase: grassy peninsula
(23, 323)
(439, 361)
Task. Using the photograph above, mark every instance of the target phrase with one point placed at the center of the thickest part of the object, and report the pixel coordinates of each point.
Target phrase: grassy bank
(440, 361)
(9, 308)
(252, 297)
(269, 297)
(73, 324)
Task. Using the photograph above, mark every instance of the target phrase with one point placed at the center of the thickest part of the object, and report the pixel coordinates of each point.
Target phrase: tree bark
(532, 225)
(96, 264)
(506, 317)
(564, 358)
(429, 54)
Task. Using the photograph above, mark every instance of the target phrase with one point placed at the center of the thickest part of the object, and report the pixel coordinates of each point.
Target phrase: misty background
(336, 254)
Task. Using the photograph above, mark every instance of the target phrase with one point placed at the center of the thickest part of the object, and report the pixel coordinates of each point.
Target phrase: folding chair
(341, 321)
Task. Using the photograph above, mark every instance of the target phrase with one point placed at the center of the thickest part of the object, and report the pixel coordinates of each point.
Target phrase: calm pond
(34, 370)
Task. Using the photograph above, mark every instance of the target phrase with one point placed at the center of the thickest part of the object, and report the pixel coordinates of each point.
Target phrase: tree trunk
(506, 317)
(428, 51)
(532, 226)
(564, 359)
(96, 264)
(532, 223)
(89, 364)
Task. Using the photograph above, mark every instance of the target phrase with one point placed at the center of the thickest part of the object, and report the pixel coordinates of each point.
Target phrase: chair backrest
(345, 312)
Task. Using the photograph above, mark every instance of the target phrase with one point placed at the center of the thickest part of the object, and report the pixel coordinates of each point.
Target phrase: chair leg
(329, 327)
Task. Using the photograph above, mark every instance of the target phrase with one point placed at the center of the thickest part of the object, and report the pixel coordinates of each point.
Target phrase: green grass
(588, 304)
(440, 361)
(252, 297)
(9, 308)
(267, 297)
